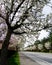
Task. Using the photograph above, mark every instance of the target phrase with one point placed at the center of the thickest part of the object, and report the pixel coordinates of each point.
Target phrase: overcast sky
(46, 10)
(43, 34)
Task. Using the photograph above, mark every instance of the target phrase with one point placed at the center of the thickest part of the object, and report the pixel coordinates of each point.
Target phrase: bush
(50, 51)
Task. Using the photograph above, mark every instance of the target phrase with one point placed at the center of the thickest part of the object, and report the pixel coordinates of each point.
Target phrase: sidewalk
(26, 61)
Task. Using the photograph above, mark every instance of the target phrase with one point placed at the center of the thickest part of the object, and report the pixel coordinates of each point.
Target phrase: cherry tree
(21, 17)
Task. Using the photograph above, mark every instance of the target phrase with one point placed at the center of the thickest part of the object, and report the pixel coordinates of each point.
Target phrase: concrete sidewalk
(26, 61)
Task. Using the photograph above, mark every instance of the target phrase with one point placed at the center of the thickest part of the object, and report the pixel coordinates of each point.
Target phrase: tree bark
(4, 50)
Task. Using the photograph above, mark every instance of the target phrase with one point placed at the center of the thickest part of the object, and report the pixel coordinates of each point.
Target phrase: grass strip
(14, 59)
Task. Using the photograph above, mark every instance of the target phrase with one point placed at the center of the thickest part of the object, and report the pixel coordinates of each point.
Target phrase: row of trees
(45, 45)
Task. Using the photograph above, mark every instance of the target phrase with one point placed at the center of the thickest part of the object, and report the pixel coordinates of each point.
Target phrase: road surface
(41, 58)
(26, 61)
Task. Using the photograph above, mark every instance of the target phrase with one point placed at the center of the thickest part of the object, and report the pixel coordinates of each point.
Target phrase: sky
(43, 34)
(46, 10)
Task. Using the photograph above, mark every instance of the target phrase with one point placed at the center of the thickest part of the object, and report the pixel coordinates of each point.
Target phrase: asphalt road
(41, 58)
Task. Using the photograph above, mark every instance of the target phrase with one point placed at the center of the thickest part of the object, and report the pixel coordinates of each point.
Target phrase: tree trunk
(4, 50)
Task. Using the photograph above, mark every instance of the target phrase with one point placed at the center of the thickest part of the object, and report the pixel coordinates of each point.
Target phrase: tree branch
(2, 17)
(7, 21)
(12, 3)
(22, 18)
(45, 27)
(19, 33)
(17, 9)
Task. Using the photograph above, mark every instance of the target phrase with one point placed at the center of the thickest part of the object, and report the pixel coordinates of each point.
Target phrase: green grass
(14, 59)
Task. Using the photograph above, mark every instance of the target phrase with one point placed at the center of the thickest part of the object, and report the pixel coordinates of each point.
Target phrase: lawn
(14, 59)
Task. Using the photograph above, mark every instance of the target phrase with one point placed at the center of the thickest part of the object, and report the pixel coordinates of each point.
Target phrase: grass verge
(14, 59)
